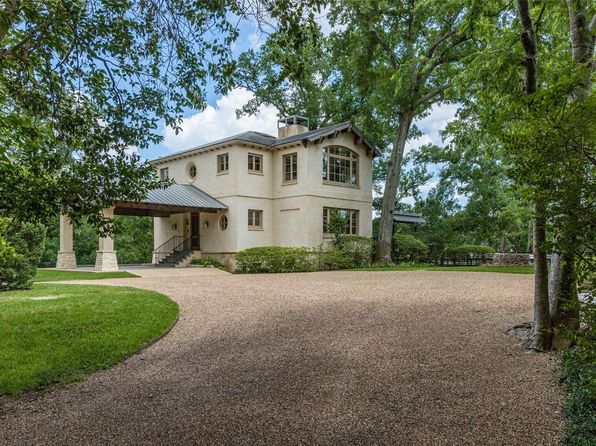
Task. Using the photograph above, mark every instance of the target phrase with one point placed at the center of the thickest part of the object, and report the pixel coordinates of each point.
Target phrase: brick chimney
(292, 125)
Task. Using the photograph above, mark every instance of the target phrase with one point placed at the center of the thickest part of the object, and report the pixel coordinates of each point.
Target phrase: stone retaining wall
(511, 259)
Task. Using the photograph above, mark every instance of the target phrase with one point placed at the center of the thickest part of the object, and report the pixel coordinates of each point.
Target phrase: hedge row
(466, 251)
(350, 252)
(409, 248)
(274, 259)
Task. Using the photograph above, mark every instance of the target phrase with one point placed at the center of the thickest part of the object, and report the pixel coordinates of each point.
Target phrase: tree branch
(392, 58)
(430, 95)
(39, 29)
(7, 16)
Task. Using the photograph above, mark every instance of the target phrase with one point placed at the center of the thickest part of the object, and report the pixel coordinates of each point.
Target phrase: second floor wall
(242, 170)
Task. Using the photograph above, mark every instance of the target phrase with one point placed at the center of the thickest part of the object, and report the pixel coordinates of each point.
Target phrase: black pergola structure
(410, 218)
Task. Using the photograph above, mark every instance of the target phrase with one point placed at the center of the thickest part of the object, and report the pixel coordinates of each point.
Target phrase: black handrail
(165, 249)
(175, 244)
(186, 245)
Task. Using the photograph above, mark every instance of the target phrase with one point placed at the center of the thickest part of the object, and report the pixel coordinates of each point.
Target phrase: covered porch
(182, 203)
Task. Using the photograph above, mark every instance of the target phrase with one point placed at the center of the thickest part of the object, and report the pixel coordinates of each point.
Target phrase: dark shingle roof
(183, 195)
(266, 140)
(408, 217)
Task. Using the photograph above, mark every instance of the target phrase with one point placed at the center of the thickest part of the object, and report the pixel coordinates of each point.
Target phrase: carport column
(66, 256)
(105, 259)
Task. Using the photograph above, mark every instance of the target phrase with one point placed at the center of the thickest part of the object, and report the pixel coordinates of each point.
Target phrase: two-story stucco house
(268, 190)
(249, 190)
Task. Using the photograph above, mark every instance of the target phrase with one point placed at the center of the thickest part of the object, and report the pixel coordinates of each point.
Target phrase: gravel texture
(403, 358)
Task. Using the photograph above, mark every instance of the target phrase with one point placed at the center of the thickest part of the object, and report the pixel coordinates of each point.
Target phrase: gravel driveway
(403, 358)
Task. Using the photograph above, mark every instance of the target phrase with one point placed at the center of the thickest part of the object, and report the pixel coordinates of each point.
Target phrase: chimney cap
(293, 120)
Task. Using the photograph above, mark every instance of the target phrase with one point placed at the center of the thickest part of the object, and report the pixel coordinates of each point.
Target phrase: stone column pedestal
(106, 261)
(66, 260)
(66, 257)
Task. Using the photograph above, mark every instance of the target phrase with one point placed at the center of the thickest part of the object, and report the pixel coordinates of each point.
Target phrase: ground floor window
(255, 219)
(223, 222)
(350, 216)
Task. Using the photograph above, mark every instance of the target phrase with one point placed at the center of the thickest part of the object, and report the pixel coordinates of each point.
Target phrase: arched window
(340, 165)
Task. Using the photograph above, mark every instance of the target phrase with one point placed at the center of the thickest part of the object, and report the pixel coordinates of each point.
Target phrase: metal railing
(176, 244)
(167, 248)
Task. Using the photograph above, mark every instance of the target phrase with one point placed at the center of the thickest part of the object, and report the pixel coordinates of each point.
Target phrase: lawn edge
(34, 394)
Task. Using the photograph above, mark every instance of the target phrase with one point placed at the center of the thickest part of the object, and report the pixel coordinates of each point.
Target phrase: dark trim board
(144, 209)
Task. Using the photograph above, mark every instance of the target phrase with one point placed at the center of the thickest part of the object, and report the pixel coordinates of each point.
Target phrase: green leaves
(84, 85)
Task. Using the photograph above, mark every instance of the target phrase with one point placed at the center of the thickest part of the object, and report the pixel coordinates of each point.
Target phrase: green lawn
(480, 269)
(52, 275)
(83, 329)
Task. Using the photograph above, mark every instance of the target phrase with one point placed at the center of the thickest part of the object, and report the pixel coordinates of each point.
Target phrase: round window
(191, 171)
(223, 222)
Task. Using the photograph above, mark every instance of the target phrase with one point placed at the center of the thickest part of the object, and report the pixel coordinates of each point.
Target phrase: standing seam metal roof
(183, 195)
(408, 217)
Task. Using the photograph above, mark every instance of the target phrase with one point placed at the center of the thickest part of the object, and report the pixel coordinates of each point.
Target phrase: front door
(194, 232)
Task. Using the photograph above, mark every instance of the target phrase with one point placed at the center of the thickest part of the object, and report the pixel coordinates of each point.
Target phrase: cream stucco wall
(292, 213)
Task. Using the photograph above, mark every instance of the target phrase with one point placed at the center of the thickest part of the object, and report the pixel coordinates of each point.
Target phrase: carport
(163, 202)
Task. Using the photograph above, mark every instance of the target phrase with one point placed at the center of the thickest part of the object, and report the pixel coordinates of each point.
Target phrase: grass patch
(479, 269)
(85, 328)
(53, 275)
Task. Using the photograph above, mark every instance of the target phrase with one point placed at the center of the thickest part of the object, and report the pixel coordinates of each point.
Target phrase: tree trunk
(554, 280)
(530, 236)
(384, 242)
(503, 244)
(564, 301)
(564, 304)
(583, 38)
(541, 332)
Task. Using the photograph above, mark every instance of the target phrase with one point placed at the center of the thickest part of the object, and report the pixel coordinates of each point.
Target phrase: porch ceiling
(173, 199)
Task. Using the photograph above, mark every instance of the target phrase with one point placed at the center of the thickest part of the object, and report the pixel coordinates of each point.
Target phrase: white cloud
(220, 121)
(431, 126)
(256, 39)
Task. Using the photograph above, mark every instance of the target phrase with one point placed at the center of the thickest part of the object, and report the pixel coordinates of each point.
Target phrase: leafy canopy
(84, 85)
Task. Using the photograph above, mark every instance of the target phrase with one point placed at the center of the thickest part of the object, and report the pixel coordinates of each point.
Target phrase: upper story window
(164, 174)
(290, 168)
(349, 216)
(223, 163)
(255, 219)
(191, 171)
(340, 165)
(255, 163)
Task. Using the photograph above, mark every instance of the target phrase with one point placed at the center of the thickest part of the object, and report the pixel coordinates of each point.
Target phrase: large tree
(534, 109)
(473, 166)
(403, 56)
(84, 86)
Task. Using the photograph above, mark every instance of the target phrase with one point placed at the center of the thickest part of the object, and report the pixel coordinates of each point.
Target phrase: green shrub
(358, 249)
(274, 259)
(335, 259)
(21, 246)
(208, 261)
(466, 251)
(579, 378)
(409, 248)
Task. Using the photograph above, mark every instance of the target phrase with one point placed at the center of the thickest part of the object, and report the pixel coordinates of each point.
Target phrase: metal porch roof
(408, 217)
